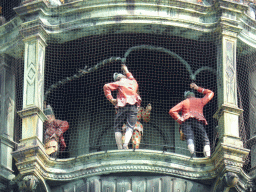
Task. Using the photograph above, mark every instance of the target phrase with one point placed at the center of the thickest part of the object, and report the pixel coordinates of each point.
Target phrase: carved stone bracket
(226, 182)
(230, 179)
(28, 183)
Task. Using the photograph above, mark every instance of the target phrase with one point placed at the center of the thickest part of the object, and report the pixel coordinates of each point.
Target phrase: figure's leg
(202, 132)
(131, 121)
(118, 136)
(123, 134)
(136, 139)
(118, 122)
(127, 138)
(189, 134)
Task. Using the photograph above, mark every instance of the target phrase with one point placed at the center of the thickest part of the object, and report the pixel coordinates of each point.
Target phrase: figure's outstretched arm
(194, 86)
(126, 72)
(208, 93)
(124, 69)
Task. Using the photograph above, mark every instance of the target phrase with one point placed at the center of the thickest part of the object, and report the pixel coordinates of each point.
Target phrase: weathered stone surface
(38, 22)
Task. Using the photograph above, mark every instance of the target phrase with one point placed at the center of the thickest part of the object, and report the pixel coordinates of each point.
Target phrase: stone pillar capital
(31, 111)
(225, 108)
(34, 31)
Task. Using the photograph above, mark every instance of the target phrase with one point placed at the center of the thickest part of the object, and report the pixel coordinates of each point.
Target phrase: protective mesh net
(6, 10)
(246, 100)
(162, 66)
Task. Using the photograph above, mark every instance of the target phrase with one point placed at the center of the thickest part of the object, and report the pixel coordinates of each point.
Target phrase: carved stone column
(229, 152)
(228, 111)
(32, 115)
(30, 148)
(7, 114)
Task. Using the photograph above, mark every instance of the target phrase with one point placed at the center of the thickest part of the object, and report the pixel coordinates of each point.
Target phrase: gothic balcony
(78, 22)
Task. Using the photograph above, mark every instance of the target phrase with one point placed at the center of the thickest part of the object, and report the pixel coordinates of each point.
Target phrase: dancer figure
(53, 135)
(143, 115)
(193, 118)
(127, 103)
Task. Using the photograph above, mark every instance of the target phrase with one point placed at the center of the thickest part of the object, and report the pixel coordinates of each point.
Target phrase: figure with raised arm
(192, 117)
(126, 103)
(53, 135)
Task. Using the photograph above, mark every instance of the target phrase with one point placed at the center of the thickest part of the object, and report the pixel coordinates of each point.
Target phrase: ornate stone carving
(230, 73)
(226, 182)
(28, 184)
(231, 179)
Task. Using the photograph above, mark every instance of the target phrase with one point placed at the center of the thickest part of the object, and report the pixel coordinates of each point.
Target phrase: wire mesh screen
(19, 75)
(246, 101)
(6, 10)
(163, 67)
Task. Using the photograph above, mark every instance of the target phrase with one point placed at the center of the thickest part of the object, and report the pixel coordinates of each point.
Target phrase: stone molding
(7, 141)
(232, 109)
(203, 19)
(34, 159)
(10, 39)
(32, 111)
(32, 30)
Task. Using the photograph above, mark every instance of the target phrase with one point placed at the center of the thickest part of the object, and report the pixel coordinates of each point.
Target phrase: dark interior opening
(162, 81)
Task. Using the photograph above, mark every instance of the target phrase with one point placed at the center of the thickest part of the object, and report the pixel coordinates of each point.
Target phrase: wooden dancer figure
(192, 117)
(126, 103)
(53, 135)
(143, 115)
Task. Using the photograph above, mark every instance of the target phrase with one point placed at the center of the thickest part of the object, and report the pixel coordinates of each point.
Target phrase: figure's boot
(118, 136)
(128, 135)
(191, 148)
(207, 151)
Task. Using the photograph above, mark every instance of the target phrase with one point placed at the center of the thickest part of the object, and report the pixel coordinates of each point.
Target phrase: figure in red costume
(53, 135)
(192, 117)
(126, 103)
(143, 115)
